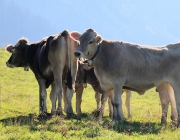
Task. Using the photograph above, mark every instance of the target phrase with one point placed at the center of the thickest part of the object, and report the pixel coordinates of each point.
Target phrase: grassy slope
(19, 98)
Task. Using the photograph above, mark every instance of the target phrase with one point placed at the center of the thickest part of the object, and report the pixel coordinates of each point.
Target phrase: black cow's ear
(75, 35)
(10, 48)
(98, 39)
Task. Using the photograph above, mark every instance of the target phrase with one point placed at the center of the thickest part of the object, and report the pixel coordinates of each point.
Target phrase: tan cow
(139, 68)
(86, 75)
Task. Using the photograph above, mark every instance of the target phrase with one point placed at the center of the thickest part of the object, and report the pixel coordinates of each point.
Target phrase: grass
(19, 105)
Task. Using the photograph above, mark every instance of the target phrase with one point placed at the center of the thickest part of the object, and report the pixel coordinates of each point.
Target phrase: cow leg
(79, 92)
(103, 103)
(65, 97)
(110, 105)
(59, 89)
(42, 96)
(127, 102)
(177, 98)
(69, 101)
(163, 95)
(174, 114)
(53, 97)
(98, 100)
(111, 99)
(117, 103)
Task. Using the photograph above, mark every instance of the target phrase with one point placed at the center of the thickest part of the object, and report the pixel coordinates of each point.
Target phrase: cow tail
(69, 76)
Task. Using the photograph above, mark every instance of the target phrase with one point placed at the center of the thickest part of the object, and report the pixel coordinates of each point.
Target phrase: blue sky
(146, 22)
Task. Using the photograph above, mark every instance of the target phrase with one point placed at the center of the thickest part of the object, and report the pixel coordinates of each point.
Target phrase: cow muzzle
(9, 65)
(78, 54)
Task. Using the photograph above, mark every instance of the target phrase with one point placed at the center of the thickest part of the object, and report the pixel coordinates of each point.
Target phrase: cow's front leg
(42, 96)
(79, 91)
(117, 103)
(98, 100)
(53, 97)
(104, 97)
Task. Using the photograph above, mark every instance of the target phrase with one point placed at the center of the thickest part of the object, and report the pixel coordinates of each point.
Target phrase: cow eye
(90, 42)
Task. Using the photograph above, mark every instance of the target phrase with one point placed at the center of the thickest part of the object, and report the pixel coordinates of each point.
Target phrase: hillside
(19, 99)
(141, 22)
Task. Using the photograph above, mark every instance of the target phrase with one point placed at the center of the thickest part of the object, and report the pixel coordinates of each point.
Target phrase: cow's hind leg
(53, 97)
(127, 102)
(163, 95)
(42, 97)
(70, 93)
(176, 88)
(174, 114)
(59, 89)
(65, 97)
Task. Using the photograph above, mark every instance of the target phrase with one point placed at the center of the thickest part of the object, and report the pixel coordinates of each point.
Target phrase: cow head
(18, 57)
(89, 41)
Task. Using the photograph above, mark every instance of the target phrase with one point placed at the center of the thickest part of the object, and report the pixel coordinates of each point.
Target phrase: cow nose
(77, 54)
(7, 64)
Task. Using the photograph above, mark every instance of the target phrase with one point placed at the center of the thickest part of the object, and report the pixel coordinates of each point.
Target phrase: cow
(52, 61)
(139, 68)
(86, 75)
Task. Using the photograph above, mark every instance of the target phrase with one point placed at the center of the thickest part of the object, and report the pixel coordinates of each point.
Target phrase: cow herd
(67, 61)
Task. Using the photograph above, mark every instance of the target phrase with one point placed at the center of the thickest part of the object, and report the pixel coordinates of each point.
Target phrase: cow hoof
(111, 123)
(70, 115)
(44, 115)
(174, 123)
(110, 115)
(59, 113)
(79, 113)
(163, 121)
(96, 113)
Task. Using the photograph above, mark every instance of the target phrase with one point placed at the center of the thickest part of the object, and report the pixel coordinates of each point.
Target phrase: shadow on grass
(133, 127)
(24, 120)
(85, 120)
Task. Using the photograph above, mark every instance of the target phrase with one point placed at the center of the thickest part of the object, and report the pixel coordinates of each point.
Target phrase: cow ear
(10, 48)
(98, 39)
(75, 35)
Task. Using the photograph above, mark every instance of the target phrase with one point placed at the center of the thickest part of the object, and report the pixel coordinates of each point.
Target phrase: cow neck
(95, 52)
(26, 67)
(90, 61)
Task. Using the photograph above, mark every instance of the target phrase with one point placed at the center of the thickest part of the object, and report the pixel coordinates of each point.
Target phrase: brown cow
(51, 61)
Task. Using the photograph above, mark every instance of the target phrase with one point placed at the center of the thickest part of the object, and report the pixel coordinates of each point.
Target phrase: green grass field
(19, 102)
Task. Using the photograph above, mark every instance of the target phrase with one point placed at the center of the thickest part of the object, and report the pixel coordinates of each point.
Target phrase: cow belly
(47, 73)
(139, 86)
